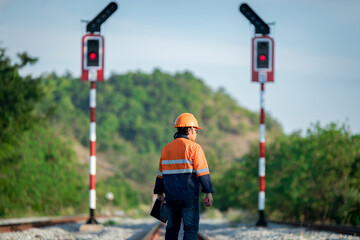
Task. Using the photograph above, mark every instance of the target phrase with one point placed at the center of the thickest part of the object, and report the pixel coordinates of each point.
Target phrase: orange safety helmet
(186, 120)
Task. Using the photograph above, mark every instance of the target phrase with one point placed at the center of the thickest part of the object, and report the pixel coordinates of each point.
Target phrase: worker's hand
(209, 200)
(161, 197)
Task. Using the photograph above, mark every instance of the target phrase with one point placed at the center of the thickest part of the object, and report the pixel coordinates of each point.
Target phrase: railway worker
(182, 169)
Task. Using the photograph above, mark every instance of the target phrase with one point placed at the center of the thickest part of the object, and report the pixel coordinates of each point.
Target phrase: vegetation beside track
(309, 178)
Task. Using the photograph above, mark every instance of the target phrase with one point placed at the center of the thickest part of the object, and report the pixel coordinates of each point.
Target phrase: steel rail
(12, 227)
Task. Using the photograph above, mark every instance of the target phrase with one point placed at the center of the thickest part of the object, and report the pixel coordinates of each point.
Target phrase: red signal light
(262, 57)
(92, 56)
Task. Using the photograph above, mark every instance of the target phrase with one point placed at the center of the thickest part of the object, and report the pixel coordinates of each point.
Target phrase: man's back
(182, 168)
(177, 165)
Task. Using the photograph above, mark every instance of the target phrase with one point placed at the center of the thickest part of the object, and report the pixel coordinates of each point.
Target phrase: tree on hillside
(18, 96)
(38, 169)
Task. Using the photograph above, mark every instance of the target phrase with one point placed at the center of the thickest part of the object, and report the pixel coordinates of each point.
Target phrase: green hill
(135, 114)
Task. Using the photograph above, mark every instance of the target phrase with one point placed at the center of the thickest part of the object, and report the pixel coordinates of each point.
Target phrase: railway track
(156, 233)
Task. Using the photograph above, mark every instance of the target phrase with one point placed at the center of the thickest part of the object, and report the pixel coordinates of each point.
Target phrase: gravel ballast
(126, 228)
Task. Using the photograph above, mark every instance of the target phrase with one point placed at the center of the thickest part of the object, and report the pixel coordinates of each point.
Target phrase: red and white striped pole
(92, 69)
(92, 160)
(261, 200)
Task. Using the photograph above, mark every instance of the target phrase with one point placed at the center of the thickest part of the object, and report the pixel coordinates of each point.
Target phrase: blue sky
(317, 50)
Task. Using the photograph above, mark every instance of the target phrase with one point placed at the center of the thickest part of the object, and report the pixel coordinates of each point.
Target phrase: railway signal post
(92, 70)
(262, 64)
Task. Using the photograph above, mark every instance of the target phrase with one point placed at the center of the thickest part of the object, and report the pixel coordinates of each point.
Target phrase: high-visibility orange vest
(182, 167)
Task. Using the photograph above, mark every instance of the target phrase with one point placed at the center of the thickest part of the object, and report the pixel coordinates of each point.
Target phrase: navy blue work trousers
(188, 210)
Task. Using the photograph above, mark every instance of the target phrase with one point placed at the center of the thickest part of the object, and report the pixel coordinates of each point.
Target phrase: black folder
(159, 211)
